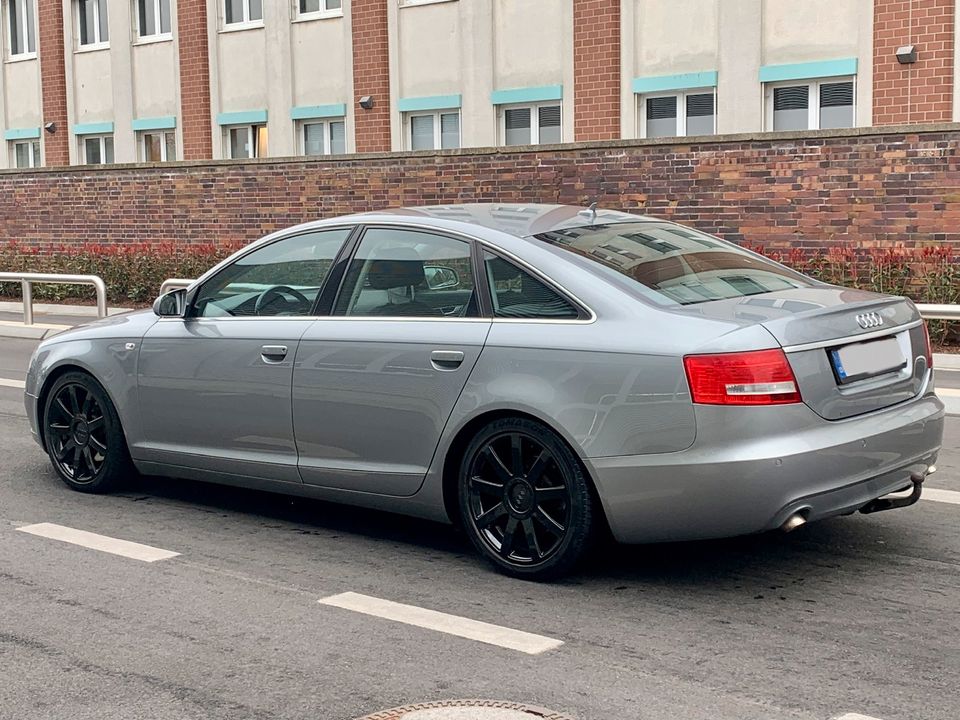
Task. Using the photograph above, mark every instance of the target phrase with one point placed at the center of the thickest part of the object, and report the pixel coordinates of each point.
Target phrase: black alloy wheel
(524, 499)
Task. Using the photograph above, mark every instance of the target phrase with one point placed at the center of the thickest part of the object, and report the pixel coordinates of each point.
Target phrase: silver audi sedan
(533, 373)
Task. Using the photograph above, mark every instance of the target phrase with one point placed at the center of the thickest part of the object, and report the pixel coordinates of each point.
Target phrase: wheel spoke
(74, 404)
(499, 468)
(548, 523)
(63, 407)
(550, 494)
(97, 445)
(95, 424)
(516, 454)
(488, 517)
(536, 470)
(59, 428)
(479, 484)
(506, 545)
(88, 458)
(530, 533)
(75, 464)
(65, 448)
(87, 405)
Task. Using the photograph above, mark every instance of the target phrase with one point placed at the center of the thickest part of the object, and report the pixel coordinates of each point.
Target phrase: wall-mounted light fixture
(907, 54)
(366, 102)
(50, 127)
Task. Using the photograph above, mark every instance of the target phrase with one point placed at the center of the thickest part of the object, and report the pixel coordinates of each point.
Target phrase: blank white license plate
(863, 360)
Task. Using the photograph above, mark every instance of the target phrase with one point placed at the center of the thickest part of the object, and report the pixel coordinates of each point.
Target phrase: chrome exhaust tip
(793, 522)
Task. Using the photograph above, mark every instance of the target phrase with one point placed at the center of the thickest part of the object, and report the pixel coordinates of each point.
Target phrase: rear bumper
(751, 468)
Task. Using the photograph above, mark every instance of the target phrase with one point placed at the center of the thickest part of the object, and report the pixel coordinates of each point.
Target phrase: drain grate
(467, 710)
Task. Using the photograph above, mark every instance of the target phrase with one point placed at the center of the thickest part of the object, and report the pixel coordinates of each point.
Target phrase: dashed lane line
(125, 548)
(442, 622)
(8, 382)
(855, 716)
(952, 497)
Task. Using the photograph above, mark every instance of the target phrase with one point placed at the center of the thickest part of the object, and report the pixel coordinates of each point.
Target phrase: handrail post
(101, 289)
(27, 290)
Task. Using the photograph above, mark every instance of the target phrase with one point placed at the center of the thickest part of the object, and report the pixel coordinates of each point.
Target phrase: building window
(22, 26)
(531, 125)
(92, 23)
(327, 137)
(96, 149)
(26, 154)
(243, 12)
(319, 8)
(153, 18)
(246, 141)
(810, 105)
(678, 114)
(434, 131)
(159, 145)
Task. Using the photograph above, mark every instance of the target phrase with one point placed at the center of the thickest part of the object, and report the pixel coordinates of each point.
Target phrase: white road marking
(7, 382)
(442, 622)
(948, 392)
(133, 550)
(855, 716)
(945, 496)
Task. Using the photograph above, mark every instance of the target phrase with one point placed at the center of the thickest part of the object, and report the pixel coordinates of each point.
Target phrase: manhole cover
(467, 710)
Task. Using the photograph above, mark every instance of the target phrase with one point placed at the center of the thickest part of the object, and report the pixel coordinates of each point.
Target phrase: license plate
(863, 360)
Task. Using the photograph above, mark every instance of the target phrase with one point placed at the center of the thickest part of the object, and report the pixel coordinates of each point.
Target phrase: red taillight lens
(761, 377)
(928, 350)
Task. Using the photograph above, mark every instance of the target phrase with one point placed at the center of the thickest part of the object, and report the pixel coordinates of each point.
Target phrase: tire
(505, 495)
(83, 435)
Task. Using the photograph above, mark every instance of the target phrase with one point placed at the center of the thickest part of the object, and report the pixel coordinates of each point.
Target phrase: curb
(7, 306)
(37, 331)
(946, 360)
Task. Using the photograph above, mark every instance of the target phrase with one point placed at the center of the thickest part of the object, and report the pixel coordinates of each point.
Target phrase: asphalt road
(853, 615)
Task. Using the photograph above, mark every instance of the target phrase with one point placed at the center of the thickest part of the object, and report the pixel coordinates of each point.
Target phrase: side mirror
(171, 304)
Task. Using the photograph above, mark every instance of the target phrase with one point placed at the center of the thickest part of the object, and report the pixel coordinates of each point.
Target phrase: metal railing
(939, 312)
(27, 280)
(173, 284)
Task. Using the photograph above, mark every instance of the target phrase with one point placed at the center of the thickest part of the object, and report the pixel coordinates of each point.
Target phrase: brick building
(101, 81)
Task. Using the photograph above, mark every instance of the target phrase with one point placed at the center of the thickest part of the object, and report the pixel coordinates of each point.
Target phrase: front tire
(83, 435)
(524, 499)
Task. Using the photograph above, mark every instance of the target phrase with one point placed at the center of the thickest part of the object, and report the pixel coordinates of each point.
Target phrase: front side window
(813, 105)
(21, 26)
(159, 146)
(240, 12)
(531, 125)
(408, 273)
(434, 131)
(282, 278)
(515, 293)
(308, 8)
(26, 154)
(246, 141)
(324, 138)
(92, 23)
(96, 149)
(153, 18)
(677, 114)
(672, 264)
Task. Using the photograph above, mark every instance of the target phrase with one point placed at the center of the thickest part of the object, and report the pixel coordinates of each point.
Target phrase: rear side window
(518, 294)
(678, 264)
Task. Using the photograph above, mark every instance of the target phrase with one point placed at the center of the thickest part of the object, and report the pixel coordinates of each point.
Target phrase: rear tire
(83, 435)
(524, 499)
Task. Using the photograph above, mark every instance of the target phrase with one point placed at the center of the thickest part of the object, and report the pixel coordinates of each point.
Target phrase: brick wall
(371, 73)
(922, 91)
(596, 69)
(53, 79)
(855, 186)
(194, 79)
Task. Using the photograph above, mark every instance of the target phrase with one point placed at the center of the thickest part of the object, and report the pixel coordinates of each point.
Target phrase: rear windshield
(679, 264)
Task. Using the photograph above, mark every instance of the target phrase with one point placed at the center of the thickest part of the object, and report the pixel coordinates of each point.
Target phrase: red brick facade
(596, 69)
(53, 80)
(921, 92)
(778, 193)
(371, 74)
(194, 79)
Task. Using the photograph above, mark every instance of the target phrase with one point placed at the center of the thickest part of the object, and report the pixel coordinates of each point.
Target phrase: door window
(518, 294)
(283, 278)
(408, 273)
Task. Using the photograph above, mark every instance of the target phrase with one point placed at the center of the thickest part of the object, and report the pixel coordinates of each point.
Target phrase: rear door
(375, 382)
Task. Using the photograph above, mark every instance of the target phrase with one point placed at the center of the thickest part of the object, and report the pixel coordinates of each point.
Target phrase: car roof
(519, 220)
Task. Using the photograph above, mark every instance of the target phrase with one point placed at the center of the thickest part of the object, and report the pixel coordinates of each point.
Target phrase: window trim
(321, 14)
(82, 140)
(36, 158)
(26, 54)
(437, 128)
(327, 140)
(158, 36)
(245, 24)
(813, 99)
(681, 96)
(100, 44)
(534, 120)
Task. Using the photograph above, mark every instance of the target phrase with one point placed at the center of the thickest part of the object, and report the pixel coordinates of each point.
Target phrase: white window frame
(323, 12)
(437, 134)
(413, 3)
(100, 43)
(35, 151)
(252, 131)
(813, 99)
(141, 144)
(681, 96)
(158, 36)
(327, 144)
(8, 31)
(534, 120)
(244, 24)
(82, 139)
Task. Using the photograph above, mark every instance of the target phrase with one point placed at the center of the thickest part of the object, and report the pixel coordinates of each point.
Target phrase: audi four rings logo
(869, 320)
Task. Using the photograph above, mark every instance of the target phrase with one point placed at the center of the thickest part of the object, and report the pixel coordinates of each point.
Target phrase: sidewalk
(48, 319)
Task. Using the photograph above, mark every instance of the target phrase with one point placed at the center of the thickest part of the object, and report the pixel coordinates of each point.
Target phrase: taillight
(928, 348)
(760, 377)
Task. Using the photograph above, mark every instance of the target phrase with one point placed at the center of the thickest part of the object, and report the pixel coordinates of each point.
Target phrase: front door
(215, 386)
(375, 383)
